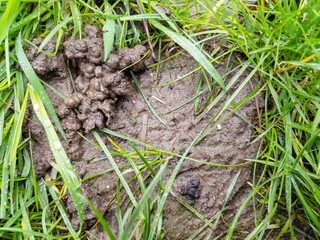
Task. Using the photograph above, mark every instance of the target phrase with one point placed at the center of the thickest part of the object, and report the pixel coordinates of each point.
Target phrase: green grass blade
(16, 216)
(316, 122)
(66, 170)
(77, 20)
(143, 159)
(54, 31)
(109, 29)
(20, 230)
(196, 233)
(25, 216)
(7, 60)
(192, 49)
(143, 199)
(115, 166)
(30, 17)
(20, 86)
(116, 134)
(44, 222)
(102, 221)
(267, 219)
(220, 96)
(4, 185)
(146, 100)
(305, 205)
(146, 221)
(63, 213)
(237, 216)
(43, 199)
(8, 17)
(16, 139)
(35, 82)
(1, 123)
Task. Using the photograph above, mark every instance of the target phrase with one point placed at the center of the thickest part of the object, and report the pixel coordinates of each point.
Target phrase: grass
(280, 42)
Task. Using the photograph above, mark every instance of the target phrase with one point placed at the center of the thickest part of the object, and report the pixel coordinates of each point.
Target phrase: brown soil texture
(203, 186)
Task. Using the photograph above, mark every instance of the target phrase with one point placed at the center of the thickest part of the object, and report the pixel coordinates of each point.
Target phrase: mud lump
(191, 189)
(99, 84)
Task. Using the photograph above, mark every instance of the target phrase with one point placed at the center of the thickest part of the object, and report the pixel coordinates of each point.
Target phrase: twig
(147, 32)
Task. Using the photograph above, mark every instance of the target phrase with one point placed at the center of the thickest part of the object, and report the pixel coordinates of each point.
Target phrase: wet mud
(106, 97)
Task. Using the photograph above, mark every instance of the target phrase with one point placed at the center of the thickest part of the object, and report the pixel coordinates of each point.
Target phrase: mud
(106, 97)
(98, 85)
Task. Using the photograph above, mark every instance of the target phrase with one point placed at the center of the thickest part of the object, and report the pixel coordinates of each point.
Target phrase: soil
(108, 98)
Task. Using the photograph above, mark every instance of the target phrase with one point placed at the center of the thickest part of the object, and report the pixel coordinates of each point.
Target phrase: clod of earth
(98, 84)
(191, 189)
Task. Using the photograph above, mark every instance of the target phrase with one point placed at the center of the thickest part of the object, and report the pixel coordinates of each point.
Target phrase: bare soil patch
(120, 107)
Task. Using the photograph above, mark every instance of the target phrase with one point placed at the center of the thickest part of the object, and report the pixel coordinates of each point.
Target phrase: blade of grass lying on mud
(233, 111)
(100, 218)
(218, 215)
(267, 219)
(54, 31)
(168, 188)
(143, 159)
(196, 96)
(35, 82)
(60, 35)
(229, 85)
(115, 166)
(204, 226)
(116, 134)
(66, 170)
(142, 201)
(146, 221)
(146, 100)
(108, 131)
(244, 204)
(8, 17)
(192, 49)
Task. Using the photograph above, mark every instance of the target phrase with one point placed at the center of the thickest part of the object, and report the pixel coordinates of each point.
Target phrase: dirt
(108, 98)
